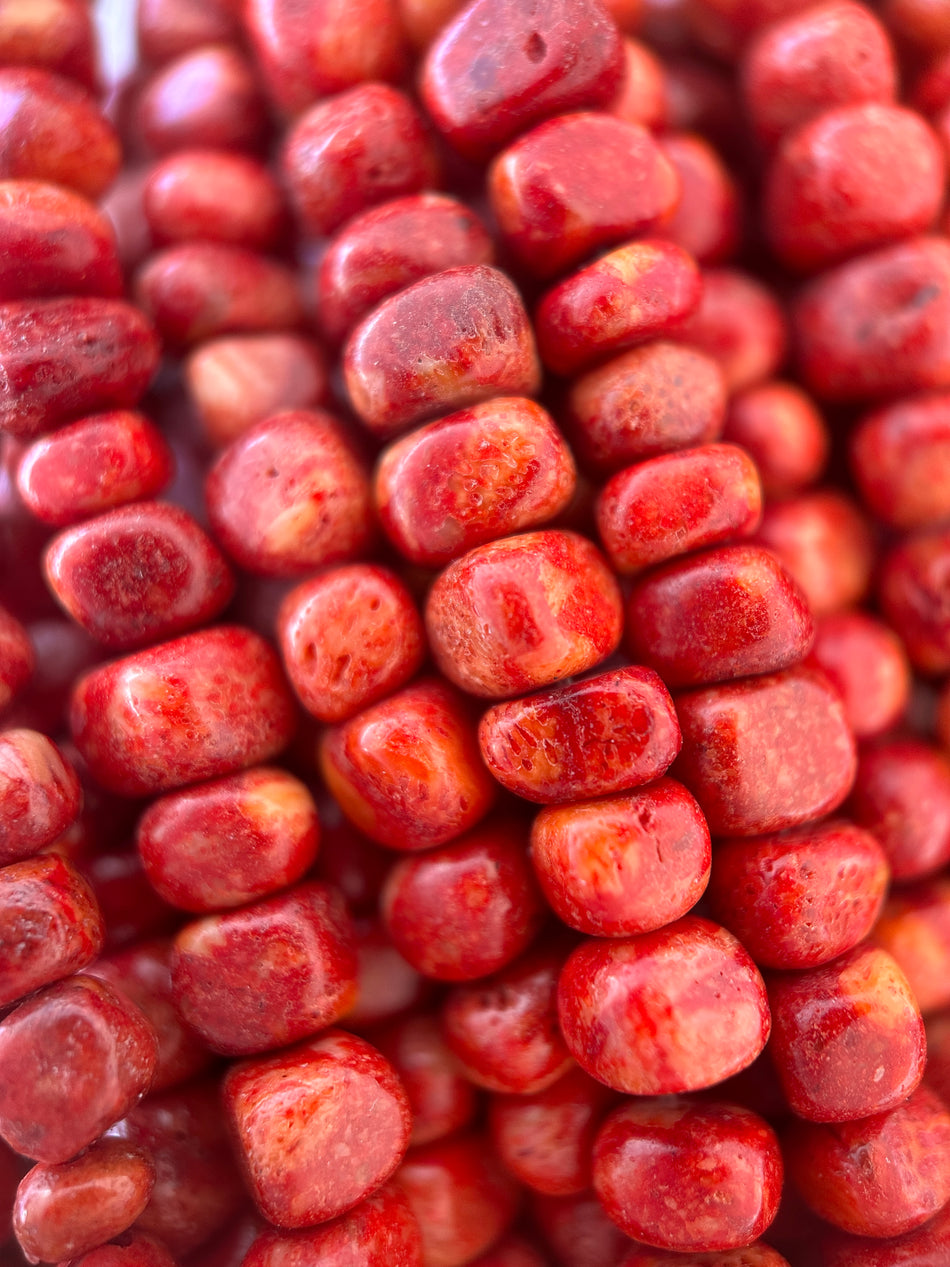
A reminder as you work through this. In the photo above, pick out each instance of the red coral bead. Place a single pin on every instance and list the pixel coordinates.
(215, 196)
(757, 1255)
(783, 432)
(40, 794)
(911, 586)
(58, 36)
(868, 665)
(130, 1249)
(741, 324)
(442, 1099)
(707, 221)
(168, 28)
(900, 458)
(902, 795)
(914, 928)
(54, 242)
(17, 658)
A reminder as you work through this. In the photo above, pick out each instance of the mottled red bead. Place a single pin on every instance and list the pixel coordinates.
(466, 910)
(220, 978)
(39, 793)
(900, 458)
(576, 184)
(914, 928)
(500, 67)
(50, 925)
(868, 665)
(676, 503)
(214, 196)
(65, 1210)
(644, 290)
(290, 495)
(461, 1196)
(62, 358)
(847, 1038)
(655, 399)
(168, 28)
(603, 734)
(740, 323)
(407, 771)
(17, 658)
(504, 1030)
(783, 432)
(878, 1177)
(746, 779)
(498, 467)
(137, 574)
(319, 1126)
(628, 864)
(688, 1177)
(129, 1249)
(390, 247)
(58, 35)
(441, 1098)
(678, 1009)
(207, 704)
(642, 95)
(450, 340)
(707, 221)
(919, 1248)
(94, 465)
(801, 898)
(902, 795)
(523, 612)
(911, 587)
(73, 1059)
(381, 1231)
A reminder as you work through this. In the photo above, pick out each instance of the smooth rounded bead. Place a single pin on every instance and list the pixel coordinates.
(781, 429)
(319, 1127)
(57, 35)
(623, 865)
(523, 612)
(466, 910)
(442, 1100)
(686, 1176)
(290, 495)
(880, 1177)
(902, 795)
(642, 95)
(576, 184)
(73, 1059)
(717, 615)
(801, 898)
(900, 458)
(677, 503)
(388, 986)
(450, 340)
(577, 1231)
(50, 925)
(745, 782)
(866, 661)
(678, 1009)
(94, 465)
(603, 734)
(481, 473)
(911, 587)
(63, 358)
(407, 771)
(214, 196)
(655, 399)
(352, 152)
(740, 323)
(644, 290)
(168, 28)
(17, 658)
(202, 706)
(847, 1038)
(500, 67)
(914, 928)
(129, 1249)
(63, 1211)
(707, 220)
(54, 242)
(230, 841)
(388, 248)
(40, 794)
(138, 574)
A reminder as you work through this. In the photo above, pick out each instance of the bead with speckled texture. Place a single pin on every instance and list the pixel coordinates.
(925, 1245)
(40, 795)
(54, 242)
(210, 195)
(757, 1255)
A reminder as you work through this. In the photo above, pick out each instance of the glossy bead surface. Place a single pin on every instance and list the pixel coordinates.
(911, 587)
(53, 241)
(623, 865)
(914, 927)
(129, 1249)
(781, 429)
(902, 795)
(603, 734)
(868, 665)
(900, 458)
(73, 1059)
(674, 1010)
(208, 98)
(523, 612)
(214, 196)
(450, 340)
(17, 658)
(441, 1098)
(741, 324)
(707, 220)
(58, 36)
(320, 1127)
(747, 782)
(39, 793)
(757, 1255)
(481, 473)
(199, 707)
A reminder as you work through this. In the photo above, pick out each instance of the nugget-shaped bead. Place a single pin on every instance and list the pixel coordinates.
(653, 400)
(678, 1009)
(640, 291)
(138, 574)
(40, 794)
(900, 457)
(741, 323)
(914, 927)
(902, 795)
(603, 734)
(94, 465)
(58, 36)
(50, 925)
(780, 427)
(745, 778)
(624, 865)
(447, 341)
(442, 1098)
(866, 661)
(479, 474)
(707, 220)
(390, 247)
(54, 242)
(215, 196)
(847, 1038)
(61, 358)
(801, 898)
(407, 771)
(500, 67)
(523, 612)
(676, 503)
(721, 614)
(912, 588)
(73, 1059)
(290, 495)
(17, 657)
(319, 1127)
(578, 183)
(202, 706)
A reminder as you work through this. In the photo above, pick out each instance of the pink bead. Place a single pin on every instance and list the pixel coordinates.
(39, 794)
(53, 242)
